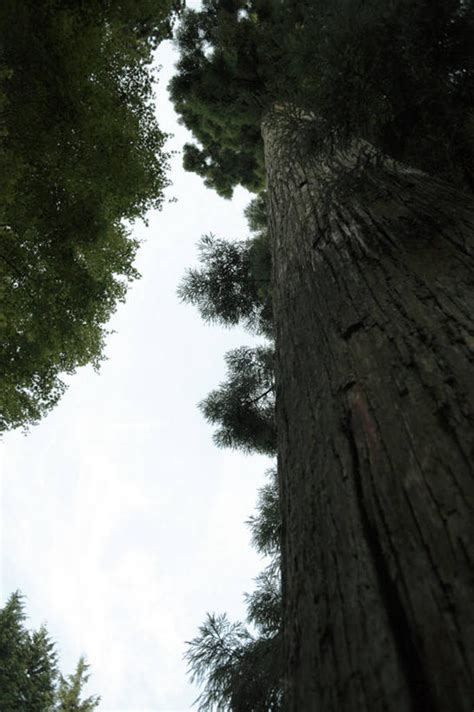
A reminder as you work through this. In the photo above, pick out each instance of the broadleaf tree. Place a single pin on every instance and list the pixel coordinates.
(357, 120)
(81, 158)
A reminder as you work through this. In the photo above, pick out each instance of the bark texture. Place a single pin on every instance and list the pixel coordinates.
(374, 312)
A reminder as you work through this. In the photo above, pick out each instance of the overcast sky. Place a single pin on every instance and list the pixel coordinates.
(121, 522)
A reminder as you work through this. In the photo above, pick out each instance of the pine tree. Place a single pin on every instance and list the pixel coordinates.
(13, 654)
(70, 691)
(41, 671)
(30, 679)
(360, 114)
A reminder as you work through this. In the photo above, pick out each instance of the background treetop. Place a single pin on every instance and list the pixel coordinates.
(29, 673)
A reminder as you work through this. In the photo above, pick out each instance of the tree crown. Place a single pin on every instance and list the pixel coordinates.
(82, 155)
(399, 74)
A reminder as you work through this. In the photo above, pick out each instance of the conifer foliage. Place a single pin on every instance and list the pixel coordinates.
(239, 666)
(233, 287)
(243, 406)
(30, 679)
(233, 283)
(242, 670)
(400, 74)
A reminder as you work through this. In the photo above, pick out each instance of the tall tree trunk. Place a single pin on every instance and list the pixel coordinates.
(374, 311)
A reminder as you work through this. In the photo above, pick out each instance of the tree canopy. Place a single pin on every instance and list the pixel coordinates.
(81, 157)
(29, 674)
(399, 74)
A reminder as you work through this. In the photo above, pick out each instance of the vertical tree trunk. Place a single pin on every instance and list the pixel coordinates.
(374, 312)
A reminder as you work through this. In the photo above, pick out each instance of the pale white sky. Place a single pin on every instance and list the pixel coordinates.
(120, 520)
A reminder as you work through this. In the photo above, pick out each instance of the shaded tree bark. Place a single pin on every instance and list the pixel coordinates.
(374, 315)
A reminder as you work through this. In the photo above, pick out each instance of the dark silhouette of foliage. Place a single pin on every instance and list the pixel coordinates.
(265, 524)
(28, 663)
(242, 671)
(243, 405)
(224, 290)
(256, 213)
(233, 286)
(264, 603)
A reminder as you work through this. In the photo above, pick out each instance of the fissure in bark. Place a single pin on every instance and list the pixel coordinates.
(374, 314)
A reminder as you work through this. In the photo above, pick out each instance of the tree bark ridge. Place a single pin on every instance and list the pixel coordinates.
(374, 304)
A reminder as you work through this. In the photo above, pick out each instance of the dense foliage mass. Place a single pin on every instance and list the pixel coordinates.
(81, 155)
(29, 675)
(400, 74)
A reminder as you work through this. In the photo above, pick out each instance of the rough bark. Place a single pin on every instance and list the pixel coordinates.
(374, 313)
